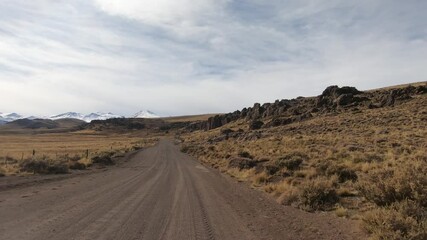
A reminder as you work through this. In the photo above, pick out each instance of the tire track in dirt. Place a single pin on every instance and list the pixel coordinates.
(158, 193)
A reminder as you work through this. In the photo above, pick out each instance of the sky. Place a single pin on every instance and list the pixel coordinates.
(180, 57)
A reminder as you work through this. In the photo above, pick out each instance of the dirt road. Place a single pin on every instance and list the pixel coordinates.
(159, 193)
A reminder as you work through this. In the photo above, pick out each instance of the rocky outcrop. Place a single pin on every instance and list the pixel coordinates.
(402, 94)
(333, 99)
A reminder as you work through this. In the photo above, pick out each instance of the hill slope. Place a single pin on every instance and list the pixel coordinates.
(333, 100)
(41, 125)
(360, 154)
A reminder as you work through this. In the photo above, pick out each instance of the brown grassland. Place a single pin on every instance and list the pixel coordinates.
(369, 164)
(190, 118)
(65, 148)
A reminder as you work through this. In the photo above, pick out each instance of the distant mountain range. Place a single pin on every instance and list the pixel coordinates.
(87, 118)
(10, 117)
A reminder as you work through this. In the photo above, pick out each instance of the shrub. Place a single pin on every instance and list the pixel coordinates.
(185, 149)
(388, 185)
(34, 166)
(260, 178)
(103, 159)
(318, 194)
(271, 169)
(136, 148)
(241, 163)
(341, 212)
(77, 166)
(344, 173)
(291, 161)
(58, 168)
(42, 167)
(403, 220)
(244, 154)
(289, 196)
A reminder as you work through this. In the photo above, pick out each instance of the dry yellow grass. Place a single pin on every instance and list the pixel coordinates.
(345, 150)
(14, 148)
(189, 118)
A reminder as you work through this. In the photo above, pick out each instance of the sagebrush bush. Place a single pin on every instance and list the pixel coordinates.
(318, 194)
(136, 148)
(343, 172)
(271, 169)
(57, 168)
(185, 149)
(401, 220)
(43, 167)
(291, 161)
(77, 166)
(244, 154)
(385, 186)
(103, 159)
(35, 166)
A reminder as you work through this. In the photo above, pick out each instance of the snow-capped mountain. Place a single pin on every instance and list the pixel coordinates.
(87, 118)
(9, 117)
(145, 114)
(67, 115)
(100, 116)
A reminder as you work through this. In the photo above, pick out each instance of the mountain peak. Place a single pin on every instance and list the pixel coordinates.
(8, 117)
(87, 118)
(145, 114)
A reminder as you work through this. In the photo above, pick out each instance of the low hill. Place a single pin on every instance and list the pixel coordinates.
(126, 124)
(333, 100)
(41, 125)
(359, 154)
(188, 118)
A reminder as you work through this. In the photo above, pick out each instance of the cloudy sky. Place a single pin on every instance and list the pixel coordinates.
(187, 57)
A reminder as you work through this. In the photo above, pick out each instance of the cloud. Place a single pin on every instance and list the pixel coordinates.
(163, 12)
(189, 57)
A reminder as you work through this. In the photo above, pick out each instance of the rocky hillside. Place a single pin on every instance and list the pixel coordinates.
(333, 100)
(360, 155)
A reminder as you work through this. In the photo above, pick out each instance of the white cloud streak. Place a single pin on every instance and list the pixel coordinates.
(188, 57)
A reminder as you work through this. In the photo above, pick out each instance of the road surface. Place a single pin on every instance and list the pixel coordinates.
(158, 193)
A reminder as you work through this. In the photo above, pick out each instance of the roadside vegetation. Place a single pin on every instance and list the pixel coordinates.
(364, 164)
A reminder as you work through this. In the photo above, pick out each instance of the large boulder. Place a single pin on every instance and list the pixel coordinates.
(334, 96)
(335, 91)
